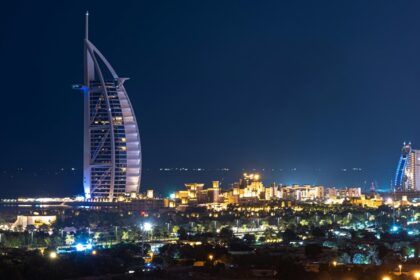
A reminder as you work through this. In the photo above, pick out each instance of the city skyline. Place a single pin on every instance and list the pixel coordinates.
(209, 96)
(239, 140)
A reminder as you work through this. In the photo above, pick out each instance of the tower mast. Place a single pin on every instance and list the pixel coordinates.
(87, 25)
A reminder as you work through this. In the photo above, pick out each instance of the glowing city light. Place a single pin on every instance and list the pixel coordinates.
(147, 226)
(394, 228)
(80, 247)
(53, 255)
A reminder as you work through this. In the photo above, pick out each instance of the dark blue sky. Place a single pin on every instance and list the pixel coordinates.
(240, 84)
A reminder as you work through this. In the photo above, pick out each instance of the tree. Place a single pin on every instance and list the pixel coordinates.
(182, 233)
(289, 235)
(269, 233)
(226, 233)
(360, 258)
(382, 252)
(249, 238)
(313, 250)
(157, 233)
(318, 232)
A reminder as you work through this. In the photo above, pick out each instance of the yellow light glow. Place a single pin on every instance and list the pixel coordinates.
(53, 255)
(211, 257)
(386, 278)
(94, 252)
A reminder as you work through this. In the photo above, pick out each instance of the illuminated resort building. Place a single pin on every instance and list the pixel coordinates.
(249, 189)
(334, 193)
(407, 177)
(196, 194)
(112, 154)
(373, 201)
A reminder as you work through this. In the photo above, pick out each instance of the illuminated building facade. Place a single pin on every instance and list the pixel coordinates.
(249, 189)
(112, 153)
(334, 193)
(250, 186)
(407, 177)
(36, 220)
(302, 193)
(372, 202)
(196, 194)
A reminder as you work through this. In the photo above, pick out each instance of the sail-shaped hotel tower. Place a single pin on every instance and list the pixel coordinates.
(112, 153)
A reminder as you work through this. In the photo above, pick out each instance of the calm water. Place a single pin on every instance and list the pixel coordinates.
(68, 182)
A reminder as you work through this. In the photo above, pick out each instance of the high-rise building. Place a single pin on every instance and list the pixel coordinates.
(407, 177)
(112, 152)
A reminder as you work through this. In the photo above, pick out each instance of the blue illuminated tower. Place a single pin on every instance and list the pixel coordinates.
(112, 152)
(407, 177)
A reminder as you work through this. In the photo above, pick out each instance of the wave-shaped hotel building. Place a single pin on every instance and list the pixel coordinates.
(112, 152)
(407, 177)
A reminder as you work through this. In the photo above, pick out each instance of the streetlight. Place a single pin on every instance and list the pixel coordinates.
(211, 257)
(334, 263)
(417, 275)
(386, 278)
(53, 255)
(400, 267)
(147, 226)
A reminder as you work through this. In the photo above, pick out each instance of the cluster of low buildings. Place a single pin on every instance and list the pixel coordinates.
(250, 188)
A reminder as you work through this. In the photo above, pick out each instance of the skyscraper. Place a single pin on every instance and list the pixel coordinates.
(407, 177)
(112, 153)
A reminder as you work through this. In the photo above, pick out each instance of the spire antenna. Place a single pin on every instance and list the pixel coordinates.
(87, 25)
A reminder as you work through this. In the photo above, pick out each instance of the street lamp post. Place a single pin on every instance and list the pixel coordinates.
(237, 225)
(32, 238)
(145, 228)
(400, 268)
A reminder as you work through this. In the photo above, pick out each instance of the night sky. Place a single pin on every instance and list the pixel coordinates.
(311, 85)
